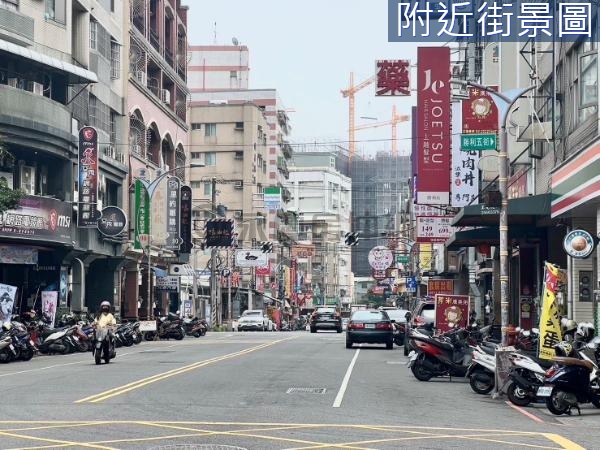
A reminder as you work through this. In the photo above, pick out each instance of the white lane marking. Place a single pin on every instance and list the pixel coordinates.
(340, 395)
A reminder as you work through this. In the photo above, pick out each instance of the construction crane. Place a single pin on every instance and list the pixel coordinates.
(396, 119)
(349, 93)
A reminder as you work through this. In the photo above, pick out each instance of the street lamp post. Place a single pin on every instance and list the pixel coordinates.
(508, 99)
(151, 187)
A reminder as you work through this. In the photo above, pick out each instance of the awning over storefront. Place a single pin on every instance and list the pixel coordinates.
(159, 272)
(521, 211)
(490, 236)
(76, 75)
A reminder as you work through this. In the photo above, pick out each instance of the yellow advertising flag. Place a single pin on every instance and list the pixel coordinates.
(550, 332)
(425, 257)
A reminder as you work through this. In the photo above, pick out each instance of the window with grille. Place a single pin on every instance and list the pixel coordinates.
(208, 188)
(13, 5)
(113, 127)
(196, 155)
(210, 159)
(210, 129)
(93, 34)
(196, 184)
(115, 60)
(99, 114)
(56, 10)
(196, 126)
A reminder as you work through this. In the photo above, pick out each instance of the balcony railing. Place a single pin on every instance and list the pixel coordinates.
(169, 57)
(15, 26)
(154, 40)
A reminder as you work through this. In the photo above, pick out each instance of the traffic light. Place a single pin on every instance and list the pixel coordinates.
(351, 239)
(266, 247)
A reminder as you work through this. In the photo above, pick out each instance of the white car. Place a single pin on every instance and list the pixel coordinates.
(253, 320)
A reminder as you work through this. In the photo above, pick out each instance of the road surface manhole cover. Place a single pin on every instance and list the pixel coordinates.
(306, 390)
(197, 447)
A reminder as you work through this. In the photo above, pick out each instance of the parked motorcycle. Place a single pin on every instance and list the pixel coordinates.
(572, 380)
(194, 326)
(448, 354)
(526, 375)
(482, 372)
(169, 327)
(59, 341)
(104, 346)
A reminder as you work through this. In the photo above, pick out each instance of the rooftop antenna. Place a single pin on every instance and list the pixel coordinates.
(235, 41)
(215, 34)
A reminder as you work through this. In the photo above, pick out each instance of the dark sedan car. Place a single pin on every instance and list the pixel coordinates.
(370, 327)
(325, 318)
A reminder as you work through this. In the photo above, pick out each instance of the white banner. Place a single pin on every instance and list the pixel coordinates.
(7, 302)
(251, 258)
(147, 325)
(49, 303)
(465, 166)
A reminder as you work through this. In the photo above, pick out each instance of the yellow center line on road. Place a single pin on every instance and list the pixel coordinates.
(563, 442)
(164, 375)
(55, 441)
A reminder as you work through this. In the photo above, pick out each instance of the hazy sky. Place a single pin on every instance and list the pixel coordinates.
(306, 50)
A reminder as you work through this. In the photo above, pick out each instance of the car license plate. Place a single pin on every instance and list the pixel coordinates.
(370, 325)
(544, 391)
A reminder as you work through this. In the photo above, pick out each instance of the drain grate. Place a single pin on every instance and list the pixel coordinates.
(306, 390)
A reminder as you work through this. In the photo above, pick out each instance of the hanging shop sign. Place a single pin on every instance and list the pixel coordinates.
(378, 274)
(465, 167)
(303, 251)
(579, 244)
(158, 215)
(251, 258)
(38, 218)
(480, 118)
(272, 198)
(550, 330)
(185, 231)
(173, 212)
(425, 256)
(393, 78)
(219, 233)
(87, 203)
(433, 126)
(451, 312)
(142, 215)
(435, 287)
(112, 222)
(434, 229)
(49, 305)
(18, 255)
(380, 258)
(169, 283)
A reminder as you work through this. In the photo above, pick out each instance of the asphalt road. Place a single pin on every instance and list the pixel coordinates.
(263, 391)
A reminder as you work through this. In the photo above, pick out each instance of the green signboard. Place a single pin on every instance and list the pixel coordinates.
(142, 216)
(402, 259)
(477, 142)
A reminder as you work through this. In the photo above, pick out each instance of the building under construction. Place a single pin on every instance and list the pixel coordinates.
(380, 192)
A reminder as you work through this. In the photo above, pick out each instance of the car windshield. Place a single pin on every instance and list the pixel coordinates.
(252, 313)
(428, 312)
(326, 310)
(369, 315)
(399, 315)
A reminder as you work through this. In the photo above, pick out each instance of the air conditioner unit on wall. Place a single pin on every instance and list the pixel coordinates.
(238, 214)
(165, 96)
(140, 75)
(239, 185)
(37, 88)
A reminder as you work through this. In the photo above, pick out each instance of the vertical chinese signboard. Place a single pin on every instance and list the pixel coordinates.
(451, 312)
(550, 331)
(173, 213)
(219, 233)
(272, 198)
(142, 216)
(433, 106)
(185, 231)
(393, 78)
(87, 216)
(465, 165)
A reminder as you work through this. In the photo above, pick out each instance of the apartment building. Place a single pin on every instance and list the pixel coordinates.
(322, 196)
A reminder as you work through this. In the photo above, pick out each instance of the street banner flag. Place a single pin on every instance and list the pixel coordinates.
(550, 332)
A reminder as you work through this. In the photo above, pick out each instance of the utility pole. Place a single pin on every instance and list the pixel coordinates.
(229, 305)
(213, 260)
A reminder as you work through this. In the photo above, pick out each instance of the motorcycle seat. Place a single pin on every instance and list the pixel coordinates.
(565, 361)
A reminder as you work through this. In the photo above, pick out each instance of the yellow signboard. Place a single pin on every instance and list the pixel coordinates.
(425, 256)
(550, 332)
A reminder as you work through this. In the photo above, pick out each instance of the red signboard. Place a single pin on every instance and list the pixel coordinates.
(433, 133)
(378, 274)
(393, 78)
(517, 185)
(88, 214)
(479, 113)
(264, 271)
(435, 287)
(451, 312)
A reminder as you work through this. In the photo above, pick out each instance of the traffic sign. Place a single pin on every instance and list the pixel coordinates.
(477, 142)
(402, 259)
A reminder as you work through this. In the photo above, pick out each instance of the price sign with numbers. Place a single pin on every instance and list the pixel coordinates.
(433, 229)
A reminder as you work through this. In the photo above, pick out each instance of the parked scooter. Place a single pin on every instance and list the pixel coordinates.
(59, 341)
(572, 380)
(169, 327)
(526, 375)
(482, 372)
(194, 326)
(448, 354)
